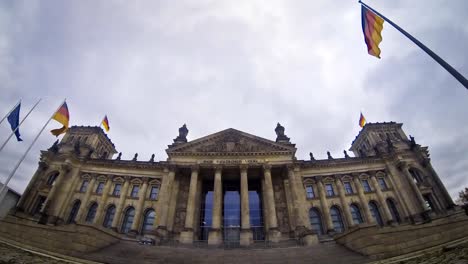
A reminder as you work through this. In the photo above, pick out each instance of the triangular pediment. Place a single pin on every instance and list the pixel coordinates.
(230, 142)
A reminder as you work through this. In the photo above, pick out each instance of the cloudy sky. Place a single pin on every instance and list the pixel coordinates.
(152, 66)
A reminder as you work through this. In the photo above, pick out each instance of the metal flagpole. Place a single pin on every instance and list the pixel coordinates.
(442, 63)
(24, 118)
(2, 191)
(10, 111)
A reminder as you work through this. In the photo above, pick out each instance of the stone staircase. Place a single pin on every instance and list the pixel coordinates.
(131, 252)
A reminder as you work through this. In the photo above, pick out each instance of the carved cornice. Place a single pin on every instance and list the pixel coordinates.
(266, 167)
(340, 162)
(244, 168)
(127, 164)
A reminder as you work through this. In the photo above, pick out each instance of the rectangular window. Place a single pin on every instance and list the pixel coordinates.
(117, 188)
(348, 188)
(310, 192)
(100, 188)
(383, 184)
(135, 190)
(84, 186)
(154, 192)
(366, 186)
(329, 189)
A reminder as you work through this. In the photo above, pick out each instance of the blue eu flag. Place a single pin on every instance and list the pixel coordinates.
(13, 119)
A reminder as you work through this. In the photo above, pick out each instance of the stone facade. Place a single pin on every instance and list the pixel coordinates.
(234, 186)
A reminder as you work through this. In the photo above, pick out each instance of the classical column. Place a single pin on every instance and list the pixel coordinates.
(344, 203)
(118, 211)
(47, 208)
(273, 233)
(380, 197)
(186, 236)
(69, 192)
(325, 207)
(84, 202)
(363, 200)
(391, 171)
(163, 201)
(139, 208)
(246, 236)
(215, 235)
(420, 199)
(103, 202)
(27, 195)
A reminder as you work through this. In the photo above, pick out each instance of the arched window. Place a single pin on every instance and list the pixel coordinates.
(393, 210)
(128, 220)
(356, 214)
(416, 175)
(74, 212)
(109, 217)
(148, 221)
(316, 221)
(375, 213)
(52, 178)
(91, 213)
(337, 219)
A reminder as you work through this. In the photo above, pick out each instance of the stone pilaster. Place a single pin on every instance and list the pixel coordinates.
(69, 192)
(84, 203)
(391, 172)
(215, 235)
(25, 199)
(246, 236)
(419, 198)
(273, 233)
(380, 197)
(139, 208)
(325, 207)
(363, 200)
(163, 202)
(103, 201)
(186, 236)
(344, 203)
(118, 211)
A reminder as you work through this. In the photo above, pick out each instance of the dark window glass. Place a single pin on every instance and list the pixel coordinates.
(74, 212)
(154, 192)
(316, 221)
(148, 221)
(356, 214)
(109, 217)
(416, 176)
(375, 213)
(382, 183)
(91, 213)
(84, 186)
(100, 188)
(39, 203)
(128, 220)
(135, 190)
(348, 188)
(337, 219)
(117, 188)
(256, 212)
(310, 191)
(393, 210)
(52, 179)
(366, 186)
(329, 189)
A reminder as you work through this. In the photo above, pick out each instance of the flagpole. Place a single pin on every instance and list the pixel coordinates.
(24, 118)
(2, 194)
(10, 111)
(442, 63)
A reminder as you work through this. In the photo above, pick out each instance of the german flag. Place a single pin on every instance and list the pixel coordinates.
(62, 116)
(362, 120)
(105, 123)
(372, 26)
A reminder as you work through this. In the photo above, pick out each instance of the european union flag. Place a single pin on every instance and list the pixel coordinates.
(13, 119)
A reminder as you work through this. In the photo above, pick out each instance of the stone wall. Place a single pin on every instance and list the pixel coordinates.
(281, 206)
(392, 241)
(67, 239)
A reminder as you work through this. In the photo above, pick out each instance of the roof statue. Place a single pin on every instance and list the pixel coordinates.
(182, 137)
(280, 136)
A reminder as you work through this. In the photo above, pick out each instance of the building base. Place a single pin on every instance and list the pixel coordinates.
(186, 237)
(246, 237)
(274, 235)
(215, 237)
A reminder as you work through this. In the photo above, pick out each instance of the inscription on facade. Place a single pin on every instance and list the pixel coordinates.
(232, 161)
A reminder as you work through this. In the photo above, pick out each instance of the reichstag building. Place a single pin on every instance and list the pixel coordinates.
(234, 187)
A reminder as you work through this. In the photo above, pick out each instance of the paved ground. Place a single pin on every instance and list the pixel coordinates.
(130, 252)
(13, 255)
(454, 255)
